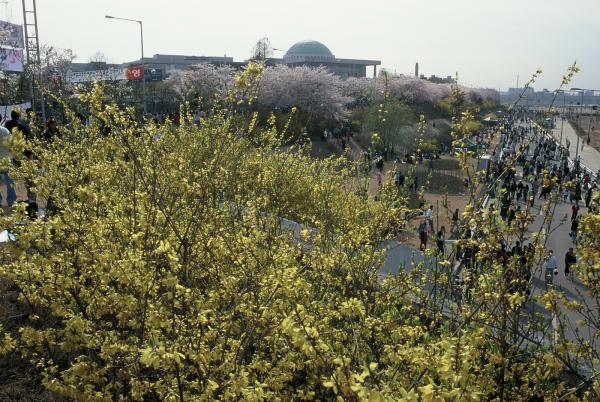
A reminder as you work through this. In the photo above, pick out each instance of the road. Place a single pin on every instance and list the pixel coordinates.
(559, 241)
(400, 256)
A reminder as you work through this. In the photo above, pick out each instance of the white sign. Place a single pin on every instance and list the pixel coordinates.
(111, 74)
(11, 59)
(11, 35)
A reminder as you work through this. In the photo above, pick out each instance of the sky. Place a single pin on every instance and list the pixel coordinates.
(488, 43)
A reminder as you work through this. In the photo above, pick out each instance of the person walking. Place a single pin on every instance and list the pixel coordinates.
(535, 187)
(441, 240)
(577, 194)
(423, 236)
(454, 221)
(574, 211)
(570, 260)
(588, 197)
(511, 215)
(550, 268)
(429, 218)
(574, 228)
(11, 195)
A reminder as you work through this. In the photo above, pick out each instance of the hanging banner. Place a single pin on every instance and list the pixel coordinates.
(134, 73)
(11, 59)
(11, 35)
(112, 74)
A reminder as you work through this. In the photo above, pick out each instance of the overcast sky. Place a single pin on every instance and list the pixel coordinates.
(487, 42)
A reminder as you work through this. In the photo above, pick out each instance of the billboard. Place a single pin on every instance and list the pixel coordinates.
(11, 59)
(11, 47)
(11, 35)
(134, 73)
(112, 74)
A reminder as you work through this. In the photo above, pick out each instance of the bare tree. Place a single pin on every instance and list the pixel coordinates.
(262, 50)
(56, 63)
(99, 59)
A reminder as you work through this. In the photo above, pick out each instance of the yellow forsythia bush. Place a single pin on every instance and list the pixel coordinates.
(168, 269)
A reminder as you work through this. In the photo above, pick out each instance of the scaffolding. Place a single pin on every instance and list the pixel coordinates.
(34, 63)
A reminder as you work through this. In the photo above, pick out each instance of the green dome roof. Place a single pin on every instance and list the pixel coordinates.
(309, 47)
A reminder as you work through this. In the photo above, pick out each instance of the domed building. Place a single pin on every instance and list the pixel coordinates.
(313, 53)
(305, 53)
(308, 51)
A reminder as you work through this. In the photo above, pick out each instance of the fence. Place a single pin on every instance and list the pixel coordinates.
(440, 180)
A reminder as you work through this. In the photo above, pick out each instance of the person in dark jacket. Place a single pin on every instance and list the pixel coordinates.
(570, 260)
(441, 240)
(14, 122)
(574, 228)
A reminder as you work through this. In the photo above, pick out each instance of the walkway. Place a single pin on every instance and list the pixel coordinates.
(589, 156)
(403, 257)
(559, 241)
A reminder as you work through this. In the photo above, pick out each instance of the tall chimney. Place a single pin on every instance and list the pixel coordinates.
(417, 70)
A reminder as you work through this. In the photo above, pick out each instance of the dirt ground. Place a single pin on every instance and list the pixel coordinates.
(442, 216)
(443, 207)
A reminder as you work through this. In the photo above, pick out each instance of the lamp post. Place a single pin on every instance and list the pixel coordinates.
(578, 121)
(562, 117)
(143, 61)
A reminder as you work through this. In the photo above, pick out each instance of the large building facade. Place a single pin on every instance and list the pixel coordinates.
(305, 53)
(314, 54)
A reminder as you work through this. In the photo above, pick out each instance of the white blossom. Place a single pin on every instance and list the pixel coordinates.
(316, 90)
(202, 81)
(313, 90)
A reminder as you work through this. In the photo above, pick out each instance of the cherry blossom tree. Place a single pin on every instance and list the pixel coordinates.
(366, 91)
(205, 81)
(315, 91)
(363, 91)
(312, 90)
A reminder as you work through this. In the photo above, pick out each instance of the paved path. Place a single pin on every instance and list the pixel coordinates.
(559, 242)
(589, 156)
(402, 257)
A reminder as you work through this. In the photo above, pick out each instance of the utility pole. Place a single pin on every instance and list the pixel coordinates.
(32, 44)
(562, 120)
(579, 124)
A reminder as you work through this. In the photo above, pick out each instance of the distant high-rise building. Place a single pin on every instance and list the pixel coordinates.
(417, 70)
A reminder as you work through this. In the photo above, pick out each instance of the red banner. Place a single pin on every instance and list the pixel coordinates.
(134, 73)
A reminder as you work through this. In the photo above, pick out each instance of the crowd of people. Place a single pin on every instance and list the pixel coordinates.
(529, 169)
(9, 125)
(7, 129)
(533, 166)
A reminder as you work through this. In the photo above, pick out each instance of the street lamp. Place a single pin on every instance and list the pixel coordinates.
(143, 61)
(562, 117)
(578, 120)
